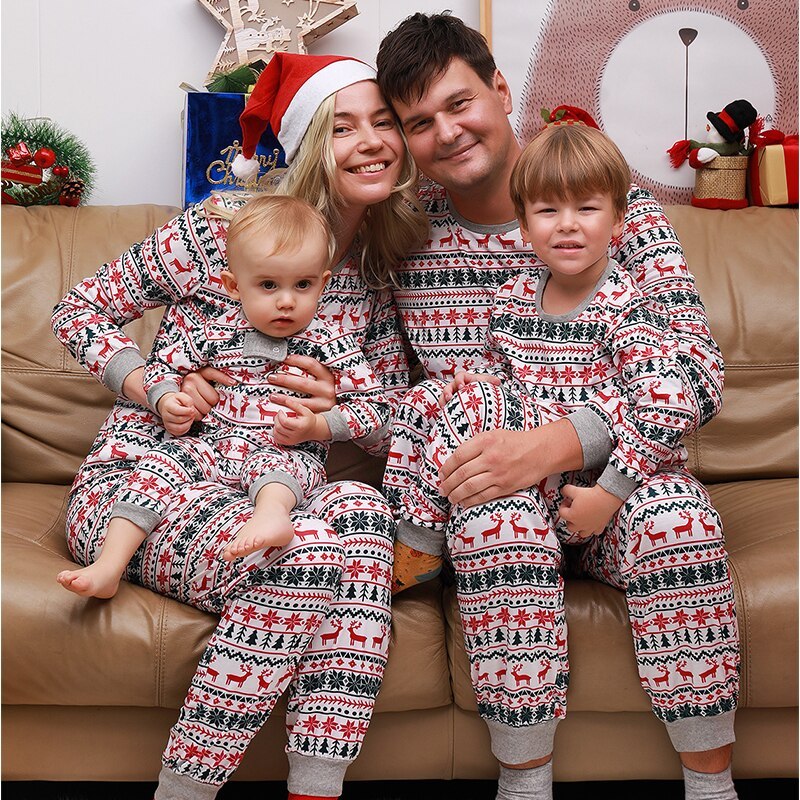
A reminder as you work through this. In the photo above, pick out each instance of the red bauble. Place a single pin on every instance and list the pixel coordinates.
(61, 171)
(44, 157)
(69, 201)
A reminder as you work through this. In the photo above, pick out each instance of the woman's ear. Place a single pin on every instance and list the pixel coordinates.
(230, 283)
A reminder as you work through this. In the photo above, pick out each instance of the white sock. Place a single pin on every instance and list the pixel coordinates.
(526, 784)
(709, 785)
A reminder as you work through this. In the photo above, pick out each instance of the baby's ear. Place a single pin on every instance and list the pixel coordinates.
(230, 283)
(324, 278)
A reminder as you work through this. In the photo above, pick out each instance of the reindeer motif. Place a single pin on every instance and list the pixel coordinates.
(395, 457)
(660, 536)
(263, 682)
(500, 674)
(542, 673)
(358, 383)
(655, 396)
(520, 677)
(663, 678)
(483, 241)
(332, 638)
(446, 240)
(711, 672)
(377, 641)
(483, 676)
(356, 637)
(505, 242)
(462, 242)
(527, 290)
(178, 267)
(710, 529)
(685, 528)
(697, 353)
(727, 666)
(211, 673)
(304, 533)
(495, 530)
(684, 673)
(540, 533)
(230, 678)
(519, 530)
(117, 452)
(468, 540)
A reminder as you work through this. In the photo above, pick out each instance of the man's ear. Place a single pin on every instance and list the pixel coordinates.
(230, 283)
(504, 90)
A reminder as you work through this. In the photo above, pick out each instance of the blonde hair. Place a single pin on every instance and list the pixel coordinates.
(287, 221)
(567, 162)
(390, 229)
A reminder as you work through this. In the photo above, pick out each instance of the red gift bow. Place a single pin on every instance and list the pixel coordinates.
(19, 154)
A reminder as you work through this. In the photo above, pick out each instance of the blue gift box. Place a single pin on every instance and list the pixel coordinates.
(213, 139)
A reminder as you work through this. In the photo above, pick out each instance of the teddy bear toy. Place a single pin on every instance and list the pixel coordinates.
(721, 160)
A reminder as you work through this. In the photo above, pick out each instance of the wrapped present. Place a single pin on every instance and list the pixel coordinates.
(212, 139)
(773, 173)
(27, 174)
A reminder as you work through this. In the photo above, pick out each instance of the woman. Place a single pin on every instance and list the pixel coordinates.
(287, 617)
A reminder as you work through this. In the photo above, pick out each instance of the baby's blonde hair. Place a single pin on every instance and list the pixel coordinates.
(565, 162)
(288, 221)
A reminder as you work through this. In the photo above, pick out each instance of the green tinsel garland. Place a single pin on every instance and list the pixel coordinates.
(70, 152)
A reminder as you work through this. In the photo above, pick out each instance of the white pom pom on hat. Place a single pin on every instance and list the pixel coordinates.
(286, 96)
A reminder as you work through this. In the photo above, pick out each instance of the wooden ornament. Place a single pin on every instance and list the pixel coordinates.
(255, 29)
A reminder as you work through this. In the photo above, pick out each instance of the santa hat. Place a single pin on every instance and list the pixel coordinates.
(286, 96)
(568, 115)
(733, 119)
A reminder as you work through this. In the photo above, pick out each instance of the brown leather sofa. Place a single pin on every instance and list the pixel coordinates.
(90, 688)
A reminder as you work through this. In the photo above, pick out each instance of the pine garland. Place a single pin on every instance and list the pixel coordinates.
(70, 152)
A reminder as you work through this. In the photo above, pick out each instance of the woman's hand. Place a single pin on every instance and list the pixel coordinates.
(199, 387)
(318, 384)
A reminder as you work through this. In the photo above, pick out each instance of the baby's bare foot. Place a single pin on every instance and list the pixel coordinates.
(259, 534)
(91, 581)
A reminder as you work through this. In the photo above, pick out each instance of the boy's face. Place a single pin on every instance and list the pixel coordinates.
(572, 236)
(459, 132)
(279, 292)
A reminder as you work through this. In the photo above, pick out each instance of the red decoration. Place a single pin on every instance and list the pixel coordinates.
(44, 157)
(19, 154)
(60, 170)
(773, 170)
(28, 174)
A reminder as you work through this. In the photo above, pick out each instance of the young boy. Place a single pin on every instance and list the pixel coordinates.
(574, 331)
(279, 250)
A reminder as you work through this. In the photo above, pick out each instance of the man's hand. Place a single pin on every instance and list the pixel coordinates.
(495, 464)
(588, 510)
(460, 380)
(301, 425)
(318, 384)
(177, 411)
(198, 385)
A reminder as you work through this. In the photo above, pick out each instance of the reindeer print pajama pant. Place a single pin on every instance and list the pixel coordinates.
(664, 549)
(312, 617)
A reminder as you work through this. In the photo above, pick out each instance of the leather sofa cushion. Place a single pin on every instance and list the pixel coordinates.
(760, 522)
(745, 263)
(141, 649)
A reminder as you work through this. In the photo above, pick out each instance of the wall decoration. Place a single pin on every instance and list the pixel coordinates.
(255, 29)
(648, 70)
(43, 164)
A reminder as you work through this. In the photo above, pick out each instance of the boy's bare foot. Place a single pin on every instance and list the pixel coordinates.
(92, 581)
(259, 533)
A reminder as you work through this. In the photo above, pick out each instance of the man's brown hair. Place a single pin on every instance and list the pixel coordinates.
(565, 162)
(420, 49)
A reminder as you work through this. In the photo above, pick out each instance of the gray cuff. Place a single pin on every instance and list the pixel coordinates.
(520, 745)
(613, 481)
(340, 430)
(697, 734)
(276, 477)
(316, 776)
(173, 786)
(155, 393)
(426, 540)
(144, 518)
(593, 435)
(119, 366)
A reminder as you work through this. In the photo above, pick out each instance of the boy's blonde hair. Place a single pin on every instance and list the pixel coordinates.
(288, 221)
(565, 162)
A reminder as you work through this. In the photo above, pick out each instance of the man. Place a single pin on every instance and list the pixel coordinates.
(453, 105)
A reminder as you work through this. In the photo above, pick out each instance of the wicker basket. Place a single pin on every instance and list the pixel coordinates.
(724, 178)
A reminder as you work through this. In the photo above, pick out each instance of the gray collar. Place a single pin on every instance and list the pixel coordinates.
(262, 346)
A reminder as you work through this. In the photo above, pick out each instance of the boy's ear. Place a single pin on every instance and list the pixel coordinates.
(618, 226)
(230, 283)
(524, 232)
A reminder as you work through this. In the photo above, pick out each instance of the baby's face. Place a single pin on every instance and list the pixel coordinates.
(279, 292)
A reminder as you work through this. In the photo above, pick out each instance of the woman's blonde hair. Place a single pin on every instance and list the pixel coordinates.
(565, 162)
(390, 229)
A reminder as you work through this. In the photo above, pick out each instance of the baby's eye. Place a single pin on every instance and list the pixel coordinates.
(303, 284)
(268, 284)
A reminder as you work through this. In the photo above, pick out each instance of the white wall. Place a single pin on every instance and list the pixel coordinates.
(109, 72)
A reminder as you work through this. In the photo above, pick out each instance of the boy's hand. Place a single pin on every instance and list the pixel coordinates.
(587, 511)
(460, 380)
(177, 411)
(297, 426)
